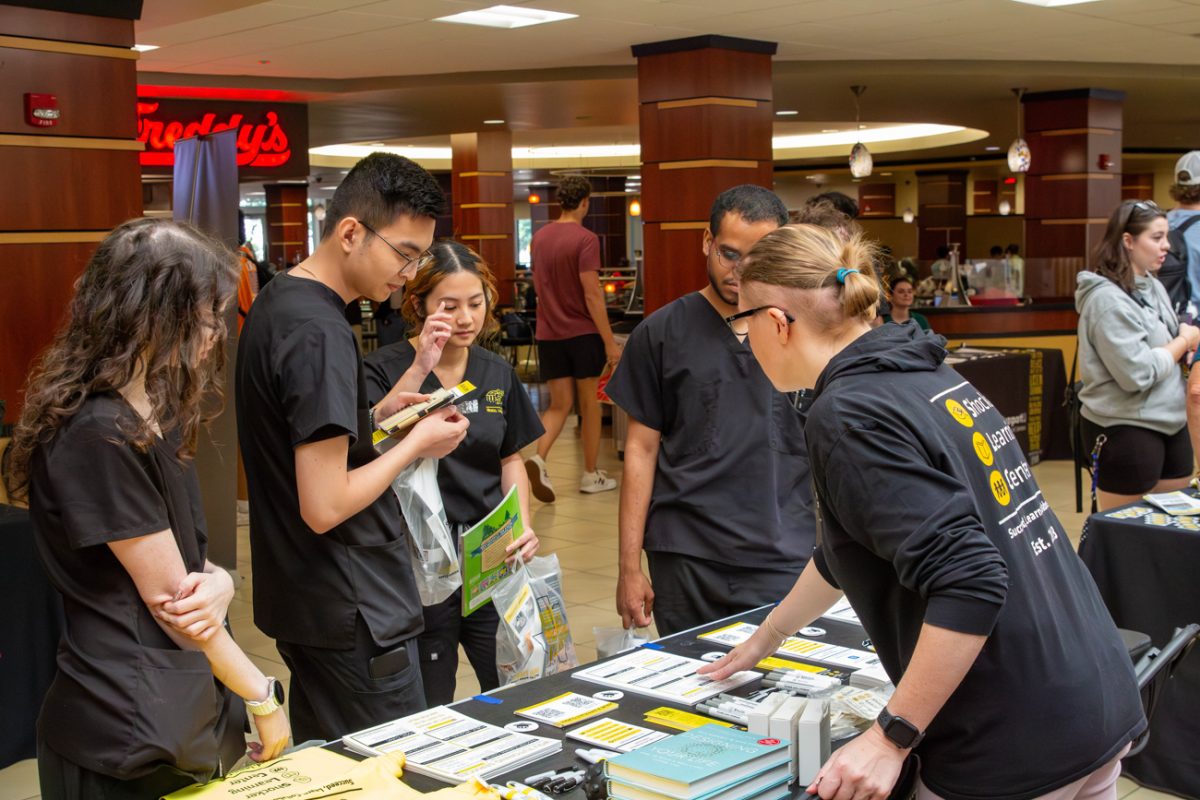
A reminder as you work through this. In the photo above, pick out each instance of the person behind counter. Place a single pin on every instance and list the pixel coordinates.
(1130, 348)
(103, 452)
(450, 302)
(1011, 679)
(902, 297)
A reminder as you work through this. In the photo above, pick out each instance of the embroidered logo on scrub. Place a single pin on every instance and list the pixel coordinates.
(959, 413)
(982, 449)
(495, 401)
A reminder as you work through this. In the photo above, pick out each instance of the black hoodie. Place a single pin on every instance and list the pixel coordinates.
(929, 513)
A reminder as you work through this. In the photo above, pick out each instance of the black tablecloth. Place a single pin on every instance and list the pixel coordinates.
(30, 625)
(1147, 576)
(1027, 387)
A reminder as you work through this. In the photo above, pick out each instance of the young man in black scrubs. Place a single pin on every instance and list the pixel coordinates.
(716, 487)
(332, 580)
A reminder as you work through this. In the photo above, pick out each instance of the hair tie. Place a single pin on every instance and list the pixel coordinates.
(842, 273)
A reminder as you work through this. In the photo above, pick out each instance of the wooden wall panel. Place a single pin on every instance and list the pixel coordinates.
(711, 72)
(84, 85)
(985, 196)
(287, 223)
(877, 199)
(705, 131)
(941, 211)
(64, 189)
(82, 28)
(678, 195)
(674, 261)
(1075, 151)
(36, 285)
(1137, 185)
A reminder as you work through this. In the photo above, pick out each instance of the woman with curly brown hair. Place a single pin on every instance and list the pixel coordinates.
(450, 303)
(103, 454)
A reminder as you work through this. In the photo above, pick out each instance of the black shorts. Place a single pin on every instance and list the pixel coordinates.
(1134, 459)
(579, 357)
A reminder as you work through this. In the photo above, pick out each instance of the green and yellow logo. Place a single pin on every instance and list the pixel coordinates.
(959, 413)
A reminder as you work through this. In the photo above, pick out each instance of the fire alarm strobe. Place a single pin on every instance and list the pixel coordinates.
(41, 110)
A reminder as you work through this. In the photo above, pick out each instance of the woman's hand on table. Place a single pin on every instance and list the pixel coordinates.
(274, 730)
(526, 546)
(199, 605)
(760, 645)
(865, 768)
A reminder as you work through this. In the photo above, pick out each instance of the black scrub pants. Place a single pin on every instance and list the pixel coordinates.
(332, 692)
(62, 779)
(445, 629)
(691, 591)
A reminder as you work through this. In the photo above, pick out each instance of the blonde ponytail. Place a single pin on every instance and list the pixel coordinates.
(810, 258)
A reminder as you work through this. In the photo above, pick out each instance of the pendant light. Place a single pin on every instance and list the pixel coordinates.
(908, 216)
(861, 162)
(1019, 156)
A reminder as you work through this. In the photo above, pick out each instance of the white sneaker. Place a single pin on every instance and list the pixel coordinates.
(539, 479)
(595, 482)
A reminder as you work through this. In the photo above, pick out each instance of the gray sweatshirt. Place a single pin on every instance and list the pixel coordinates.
(1128, 378)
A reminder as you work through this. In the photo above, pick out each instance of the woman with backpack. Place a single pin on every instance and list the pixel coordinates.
(1131, 348)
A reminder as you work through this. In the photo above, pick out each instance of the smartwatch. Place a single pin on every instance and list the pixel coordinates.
(272, 703)
(898, 730)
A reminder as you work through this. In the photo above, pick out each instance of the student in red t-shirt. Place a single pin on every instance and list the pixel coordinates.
(574, 339)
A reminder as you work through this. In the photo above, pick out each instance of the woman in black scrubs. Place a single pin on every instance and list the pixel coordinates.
(450, 302)
(146, 699)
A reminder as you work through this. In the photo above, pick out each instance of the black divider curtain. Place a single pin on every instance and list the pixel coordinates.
(206, 195)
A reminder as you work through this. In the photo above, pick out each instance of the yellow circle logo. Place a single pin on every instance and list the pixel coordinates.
(959, 413)
(982, 449)
(999, 488)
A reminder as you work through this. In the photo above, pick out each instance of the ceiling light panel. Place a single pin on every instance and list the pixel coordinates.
(506, 17)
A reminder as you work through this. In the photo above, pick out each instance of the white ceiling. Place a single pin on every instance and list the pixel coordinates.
(362, 38)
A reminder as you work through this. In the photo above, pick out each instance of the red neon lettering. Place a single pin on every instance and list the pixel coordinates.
(259, 145)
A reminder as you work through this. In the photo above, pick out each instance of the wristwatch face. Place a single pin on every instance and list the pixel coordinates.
(277, 690)
(902, 732)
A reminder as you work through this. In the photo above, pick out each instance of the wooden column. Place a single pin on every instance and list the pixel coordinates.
(941, 211)
(482, 194)
(705, 126)
(66, 186)
(1074, 183)
(287, 222)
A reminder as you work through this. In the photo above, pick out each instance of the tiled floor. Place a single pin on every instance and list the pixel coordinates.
(582, 531)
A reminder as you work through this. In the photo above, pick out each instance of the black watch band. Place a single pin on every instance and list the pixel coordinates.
(899, 731)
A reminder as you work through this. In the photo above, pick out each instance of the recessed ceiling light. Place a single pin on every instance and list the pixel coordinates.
(493, 122)
(1054, 3)
(506, 17)
(788, 113)
(145, 48)
(829, 130)
(992, 148)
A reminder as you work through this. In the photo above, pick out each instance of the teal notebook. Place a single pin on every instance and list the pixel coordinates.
(749, 788)
(697, 762)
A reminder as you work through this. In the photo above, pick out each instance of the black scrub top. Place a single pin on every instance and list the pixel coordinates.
(300, 380)
(732, 480)
(126, 699)
(502, 419)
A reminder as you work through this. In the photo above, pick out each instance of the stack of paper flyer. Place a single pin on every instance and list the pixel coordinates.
(797, 647)
(661, 675)
(1179, 504)
(451, 747)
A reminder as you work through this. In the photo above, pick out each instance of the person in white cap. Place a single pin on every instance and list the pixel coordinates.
(1186, 193)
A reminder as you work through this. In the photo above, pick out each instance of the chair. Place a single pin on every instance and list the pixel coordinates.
(1155, 668)
(515, 333)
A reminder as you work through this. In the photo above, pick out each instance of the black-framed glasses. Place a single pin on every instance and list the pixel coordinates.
(739, 323)
(410, 263)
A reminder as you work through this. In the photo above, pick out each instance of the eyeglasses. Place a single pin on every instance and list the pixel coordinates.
(410, 263)
(1146, 205)
(728, 258)
(739, 323)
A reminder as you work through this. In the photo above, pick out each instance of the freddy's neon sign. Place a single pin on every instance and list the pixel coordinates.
(261, 144)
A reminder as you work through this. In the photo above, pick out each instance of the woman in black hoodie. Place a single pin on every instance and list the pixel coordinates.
(1011, 679)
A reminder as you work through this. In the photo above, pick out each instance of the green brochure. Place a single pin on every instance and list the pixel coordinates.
(483, 553)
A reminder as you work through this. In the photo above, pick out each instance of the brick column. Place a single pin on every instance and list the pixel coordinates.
(1073, 185)
(481, 195)
(705, 125)
(287, 222)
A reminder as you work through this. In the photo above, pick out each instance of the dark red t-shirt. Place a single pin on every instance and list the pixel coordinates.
(561, 251)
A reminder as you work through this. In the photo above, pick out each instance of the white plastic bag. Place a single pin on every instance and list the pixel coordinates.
(533, 639)
(432, 549)
(610, 641)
